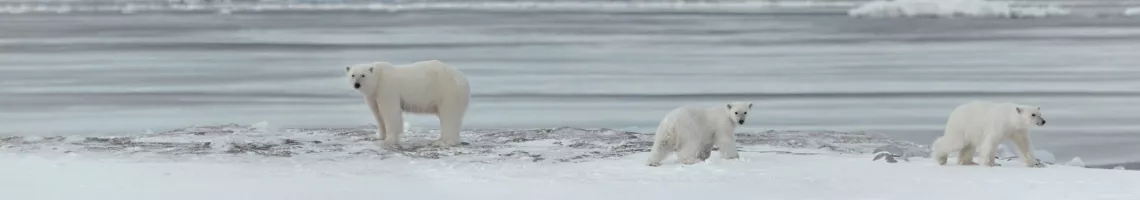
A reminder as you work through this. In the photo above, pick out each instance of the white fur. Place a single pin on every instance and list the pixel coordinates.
(426, 87)
(980, 126)
(693, 131)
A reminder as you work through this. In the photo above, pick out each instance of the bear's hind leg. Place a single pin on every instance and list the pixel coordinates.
(966, 156)
(988, 148)
(942, 147)
(450, 122)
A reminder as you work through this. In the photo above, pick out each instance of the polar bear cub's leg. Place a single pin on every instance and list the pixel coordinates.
(726, 140)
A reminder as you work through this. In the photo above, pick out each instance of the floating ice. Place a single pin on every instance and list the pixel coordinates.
(952, 8)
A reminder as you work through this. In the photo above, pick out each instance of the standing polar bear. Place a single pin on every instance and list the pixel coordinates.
(692, 131)
(426, 87)
(981, 126)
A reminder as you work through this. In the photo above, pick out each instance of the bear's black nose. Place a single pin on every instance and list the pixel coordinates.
(357, 85)
(1042, 122)
(741, 122)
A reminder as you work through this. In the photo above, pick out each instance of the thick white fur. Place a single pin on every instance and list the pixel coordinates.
(980, 126)
(426, 87)
(692, 132)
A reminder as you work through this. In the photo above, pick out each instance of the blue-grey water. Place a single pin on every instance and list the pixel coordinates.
(120, 72)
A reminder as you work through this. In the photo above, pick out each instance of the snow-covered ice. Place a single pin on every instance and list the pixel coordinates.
(244, 162)
(953, 8)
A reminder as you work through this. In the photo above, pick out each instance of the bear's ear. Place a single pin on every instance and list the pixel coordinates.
(1018, 110)
(729, 106)
(347, 68)
(749, 105)
(370, 69)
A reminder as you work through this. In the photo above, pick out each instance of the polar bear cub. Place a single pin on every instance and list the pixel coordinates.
(426, 87)
(980, 126)
(692, 131)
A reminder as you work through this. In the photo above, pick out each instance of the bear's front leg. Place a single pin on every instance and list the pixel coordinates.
(1021, 140)
(393, 118)
(688, 152)
(726, 140)
(706, 152)
(375, 107)
(988, 148)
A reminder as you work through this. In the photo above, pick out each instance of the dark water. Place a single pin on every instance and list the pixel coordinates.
(110, 73)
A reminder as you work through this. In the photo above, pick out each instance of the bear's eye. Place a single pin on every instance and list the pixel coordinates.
(736, 113)
(745, 113)
(1033, 115)
(361, 76)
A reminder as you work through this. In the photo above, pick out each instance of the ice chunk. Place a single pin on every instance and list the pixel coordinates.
(1044, 156)
(952, 8)
(260, 126)
(1133, 11)
(1076, 162)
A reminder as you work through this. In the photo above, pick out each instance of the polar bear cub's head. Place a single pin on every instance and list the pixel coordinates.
(738, 111)
(1031, 115)
(362, 77)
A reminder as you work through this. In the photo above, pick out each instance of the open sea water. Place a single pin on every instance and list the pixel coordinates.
(123, 67)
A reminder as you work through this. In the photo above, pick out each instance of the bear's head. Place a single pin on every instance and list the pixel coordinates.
(738, 111)
(363, 77)
(1031, 115)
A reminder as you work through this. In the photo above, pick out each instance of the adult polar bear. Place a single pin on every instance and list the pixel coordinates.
(981, 126)
(426, 87)
(692, 131)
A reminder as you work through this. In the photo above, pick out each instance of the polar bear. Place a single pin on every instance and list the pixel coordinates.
(426, 87)
(980, 126)
(692, 131)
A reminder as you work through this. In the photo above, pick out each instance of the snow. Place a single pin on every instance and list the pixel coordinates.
(952, 8)
(549, 163)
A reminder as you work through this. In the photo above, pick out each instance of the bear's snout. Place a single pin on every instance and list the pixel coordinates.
(1042, 123)
(357, 85)
(741, 122)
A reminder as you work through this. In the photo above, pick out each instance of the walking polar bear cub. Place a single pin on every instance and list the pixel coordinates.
(691, 132)
(426, 87)
(981, 126)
